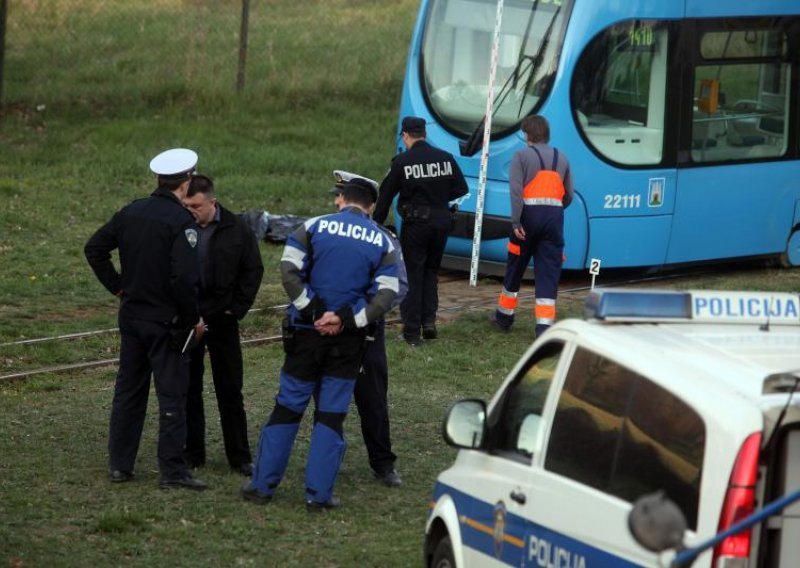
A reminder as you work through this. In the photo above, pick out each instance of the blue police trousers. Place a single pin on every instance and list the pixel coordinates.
(327, 365)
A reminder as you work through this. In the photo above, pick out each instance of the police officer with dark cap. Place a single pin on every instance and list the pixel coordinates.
(427, 179)
(372, 386)
(156, 238)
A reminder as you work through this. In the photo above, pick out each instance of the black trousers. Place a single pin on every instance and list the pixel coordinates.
(423, 245)
(371, 400)
(145, 350)
(225, 353)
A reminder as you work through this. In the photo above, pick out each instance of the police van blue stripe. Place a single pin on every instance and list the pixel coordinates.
(540, 546)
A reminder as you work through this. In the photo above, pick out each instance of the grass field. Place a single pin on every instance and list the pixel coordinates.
(79, 129)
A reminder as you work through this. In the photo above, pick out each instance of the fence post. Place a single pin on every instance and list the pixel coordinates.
(3, 11)
(242, 45)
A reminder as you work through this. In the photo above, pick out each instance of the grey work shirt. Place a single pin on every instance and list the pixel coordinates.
(524, 167)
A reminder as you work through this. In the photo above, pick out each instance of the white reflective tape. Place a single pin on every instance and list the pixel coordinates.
(388, 282)
(543, 201)
(302, 300)
(361, 318)
(545, 302)
(545, 321)
(506, 311)
(508, 294)
(293, 255)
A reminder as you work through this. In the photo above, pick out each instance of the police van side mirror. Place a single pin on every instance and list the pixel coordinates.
(657, 523)
(465, 424)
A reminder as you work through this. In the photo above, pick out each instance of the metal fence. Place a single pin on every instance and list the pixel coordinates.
(54, 50)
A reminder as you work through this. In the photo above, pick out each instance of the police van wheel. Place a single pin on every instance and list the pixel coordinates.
(443, 555)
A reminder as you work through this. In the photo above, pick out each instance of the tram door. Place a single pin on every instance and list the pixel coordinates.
(620, 95)
(734, 194)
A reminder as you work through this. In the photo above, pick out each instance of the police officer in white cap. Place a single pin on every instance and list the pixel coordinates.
(156, 238)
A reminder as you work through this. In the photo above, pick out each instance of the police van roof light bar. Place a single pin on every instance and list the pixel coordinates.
(701, 306)
(631, 305)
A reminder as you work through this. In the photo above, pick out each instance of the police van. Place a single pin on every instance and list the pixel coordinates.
(689, 393)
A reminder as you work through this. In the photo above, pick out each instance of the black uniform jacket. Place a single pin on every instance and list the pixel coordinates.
(233, 268)
(157, 238)
(423, 175)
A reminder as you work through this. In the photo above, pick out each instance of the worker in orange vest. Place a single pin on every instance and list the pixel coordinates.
(540, 188)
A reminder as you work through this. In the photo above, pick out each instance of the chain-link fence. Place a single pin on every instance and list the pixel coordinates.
(111, 52)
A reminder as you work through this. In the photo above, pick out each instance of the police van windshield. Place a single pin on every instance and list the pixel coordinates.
(457, 50)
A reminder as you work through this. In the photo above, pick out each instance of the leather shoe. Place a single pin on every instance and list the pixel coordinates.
(250, 493)
(246, 469)
(118, 476)
(187, 482)
(320, 506)
(412, 340)
(497, 325)
(429, 332)
(389, 478)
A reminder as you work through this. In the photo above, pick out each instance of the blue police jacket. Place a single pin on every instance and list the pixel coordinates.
(343, 263)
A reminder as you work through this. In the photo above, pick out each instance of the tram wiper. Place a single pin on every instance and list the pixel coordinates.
(537, 60)
(474, 141)
(525, 38)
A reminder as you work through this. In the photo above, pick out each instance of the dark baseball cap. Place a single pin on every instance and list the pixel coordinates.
(413, 124)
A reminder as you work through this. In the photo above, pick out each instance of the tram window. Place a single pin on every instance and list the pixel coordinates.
(619, 92)
(750, 119)
(516, 428)
(609, 421)
(456, 53)
(743, 44)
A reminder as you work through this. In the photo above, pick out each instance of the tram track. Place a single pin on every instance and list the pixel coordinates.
(447, 278)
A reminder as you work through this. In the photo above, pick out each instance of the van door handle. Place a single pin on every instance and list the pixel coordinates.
(518, 496)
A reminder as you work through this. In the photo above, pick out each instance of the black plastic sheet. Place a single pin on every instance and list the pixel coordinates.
(271, 228)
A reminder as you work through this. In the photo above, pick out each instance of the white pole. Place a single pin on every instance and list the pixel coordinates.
(487, 129)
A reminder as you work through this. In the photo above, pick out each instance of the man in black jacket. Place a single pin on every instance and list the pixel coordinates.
(427, 179)
(231, 271)
(158, 314)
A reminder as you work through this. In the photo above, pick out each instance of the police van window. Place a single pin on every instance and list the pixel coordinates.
(515, 427)
(618, 432)
(619, 89)
(741, 96)
(661, 447)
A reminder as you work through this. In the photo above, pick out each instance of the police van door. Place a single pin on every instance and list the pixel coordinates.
(500, 479)
(613, 436)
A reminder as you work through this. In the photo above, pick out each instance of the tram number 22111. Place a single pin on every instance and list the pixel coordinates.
(619, 201)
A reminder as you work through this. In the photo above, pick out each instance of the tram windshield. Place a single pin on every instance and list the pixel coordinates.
(457, 51)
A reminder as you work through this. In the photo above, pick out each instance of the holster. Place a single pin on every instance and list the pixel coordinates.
(288, 335)
(413, 213)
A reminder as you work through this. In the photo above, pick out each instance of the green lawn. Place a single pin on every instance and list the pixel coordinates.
(83, 118)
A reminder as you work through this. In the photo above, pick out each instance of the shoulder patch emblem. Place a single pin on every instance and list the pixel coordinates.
(191, 236)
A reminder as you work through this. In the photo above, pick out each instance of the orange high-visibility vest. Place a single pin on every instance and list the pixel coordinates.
(547, 187)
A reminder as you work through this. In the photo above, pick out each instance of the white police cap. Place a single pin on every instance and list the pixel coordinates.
(175, 163)
(342, 177)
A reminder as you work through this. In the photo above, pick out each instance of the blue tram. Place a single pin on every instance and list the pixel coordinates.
(681, 119)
